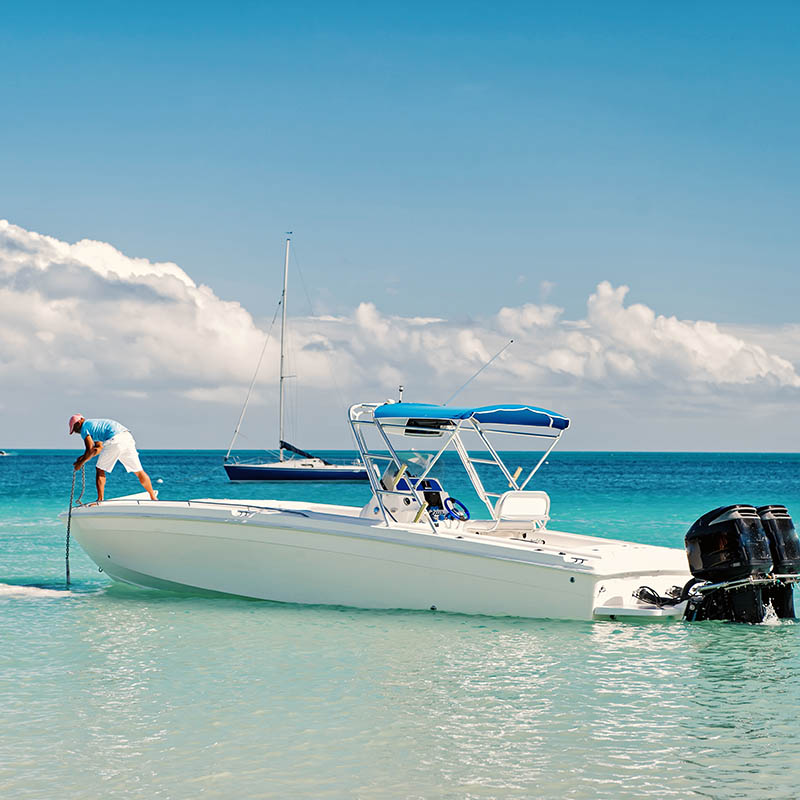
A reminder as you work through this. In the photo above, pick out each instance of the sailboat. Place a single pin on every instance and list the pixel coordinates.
(293, 464)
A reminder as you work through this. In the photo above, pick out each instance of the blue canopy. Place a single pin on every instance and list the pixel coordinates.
(509, 414)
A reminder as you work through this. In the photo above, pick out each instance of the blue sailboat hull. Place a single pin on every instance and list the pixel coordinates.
(271, 472)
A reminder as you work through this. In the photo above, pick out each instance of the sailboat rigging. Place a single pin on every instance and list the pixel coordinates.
(307, 467)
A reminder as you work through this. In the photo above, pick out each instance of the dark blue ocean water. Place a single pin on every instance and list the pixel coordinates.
(110, 691)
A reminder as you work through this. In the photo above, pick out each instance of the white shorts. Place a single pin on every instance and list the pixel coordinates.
(119, 448)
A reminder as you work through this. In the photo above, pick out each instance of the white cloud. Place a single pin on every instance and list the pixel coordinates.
(86, 321)
(225, 395)
(519, 321)
(665, 349)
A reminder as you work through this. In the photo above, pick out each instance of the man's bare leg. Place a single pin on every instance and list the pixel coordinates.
(144, 479)
(100, 480)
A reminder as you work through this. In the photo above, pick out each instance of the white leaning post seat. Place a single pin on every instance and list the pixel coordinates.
(533, 507)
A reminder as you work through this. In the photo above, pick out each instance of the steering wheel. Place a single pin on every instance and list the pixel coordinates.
(456, 509)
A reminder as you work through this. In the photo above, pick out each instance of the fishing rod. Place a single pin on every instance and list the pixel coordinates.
(464, 385)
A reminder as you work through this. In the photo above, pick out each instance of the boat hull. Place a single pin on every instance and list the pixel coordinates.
(269, 472)
(298, 557)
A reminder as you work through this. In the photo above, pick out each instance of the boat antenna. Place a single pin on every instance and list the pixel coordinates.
(464, 385)
(401, 389)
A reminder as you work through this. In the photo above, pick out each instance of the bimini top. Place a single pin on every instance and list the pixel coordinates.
(509, 414)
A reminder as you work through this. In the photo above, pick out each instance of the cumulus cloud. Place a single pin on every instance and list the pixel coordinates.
(520, 321)
(612, 343)
(76, 317)
(88, 312)
(635, 343)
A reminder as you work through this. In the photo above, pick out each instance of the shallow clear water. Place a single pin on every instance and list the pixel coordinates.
(110, 691)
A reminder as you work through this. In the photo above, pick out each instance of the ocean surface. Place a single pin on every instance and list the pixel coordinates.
(108, 691)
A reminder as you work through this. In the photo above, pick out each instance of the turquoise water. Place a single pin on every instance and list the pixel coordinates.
(109, 691)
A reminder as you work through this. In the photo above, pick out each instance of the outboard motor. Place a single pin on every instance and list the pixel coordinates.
(784, 545)
(728, 546)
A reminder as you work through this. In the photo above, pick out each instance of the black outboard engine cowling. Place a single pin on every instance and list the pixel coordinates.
(784, 542)
(785, 547)
(727, 545)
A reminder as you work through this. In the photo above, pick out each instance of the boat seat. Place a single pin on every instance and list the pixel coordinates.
(516, 506)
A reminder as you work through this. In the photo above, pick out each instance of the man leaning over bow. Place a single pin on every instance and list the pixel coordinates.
(113, 442)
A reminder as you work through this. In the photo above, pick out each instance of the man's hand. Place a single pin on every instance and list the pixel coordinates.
(92, 449)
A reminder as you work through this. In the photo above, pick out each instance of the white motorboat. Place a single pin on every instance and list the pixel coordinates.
(413, 546)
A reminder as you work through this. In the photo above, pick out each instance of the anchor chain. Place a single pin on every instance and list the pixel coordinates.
(69, 513)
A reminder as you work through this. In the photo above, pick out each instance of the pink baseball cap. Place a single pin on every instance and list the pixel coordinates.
(73, 421)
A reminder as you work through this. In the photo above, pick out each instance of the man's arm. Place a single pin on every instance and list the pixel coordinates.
(92, 449)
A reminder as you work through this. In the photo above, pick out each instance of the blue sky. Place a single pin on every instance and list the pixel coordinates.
(441, 160)
(650, 144)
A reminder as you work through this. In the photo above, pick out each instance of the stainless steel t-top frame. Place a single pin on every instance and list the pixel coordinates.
(362, 414)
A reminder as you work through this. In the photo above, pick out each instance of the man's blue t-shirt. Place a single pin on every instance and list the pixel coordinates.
(101, 430)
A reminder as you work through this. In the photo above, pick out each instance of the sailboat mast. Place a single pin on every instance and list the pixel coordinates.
(283, 346)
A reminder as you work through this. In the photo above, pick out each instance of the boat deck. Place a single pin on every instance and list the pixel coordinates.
(597, 554)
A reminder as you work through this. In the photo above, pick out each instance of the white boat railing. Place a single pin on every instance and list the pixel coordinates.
(369, 458)
(362, 414)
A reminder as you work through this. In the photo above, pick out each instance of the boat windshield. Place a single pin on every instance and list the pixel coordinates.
(416, 462)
